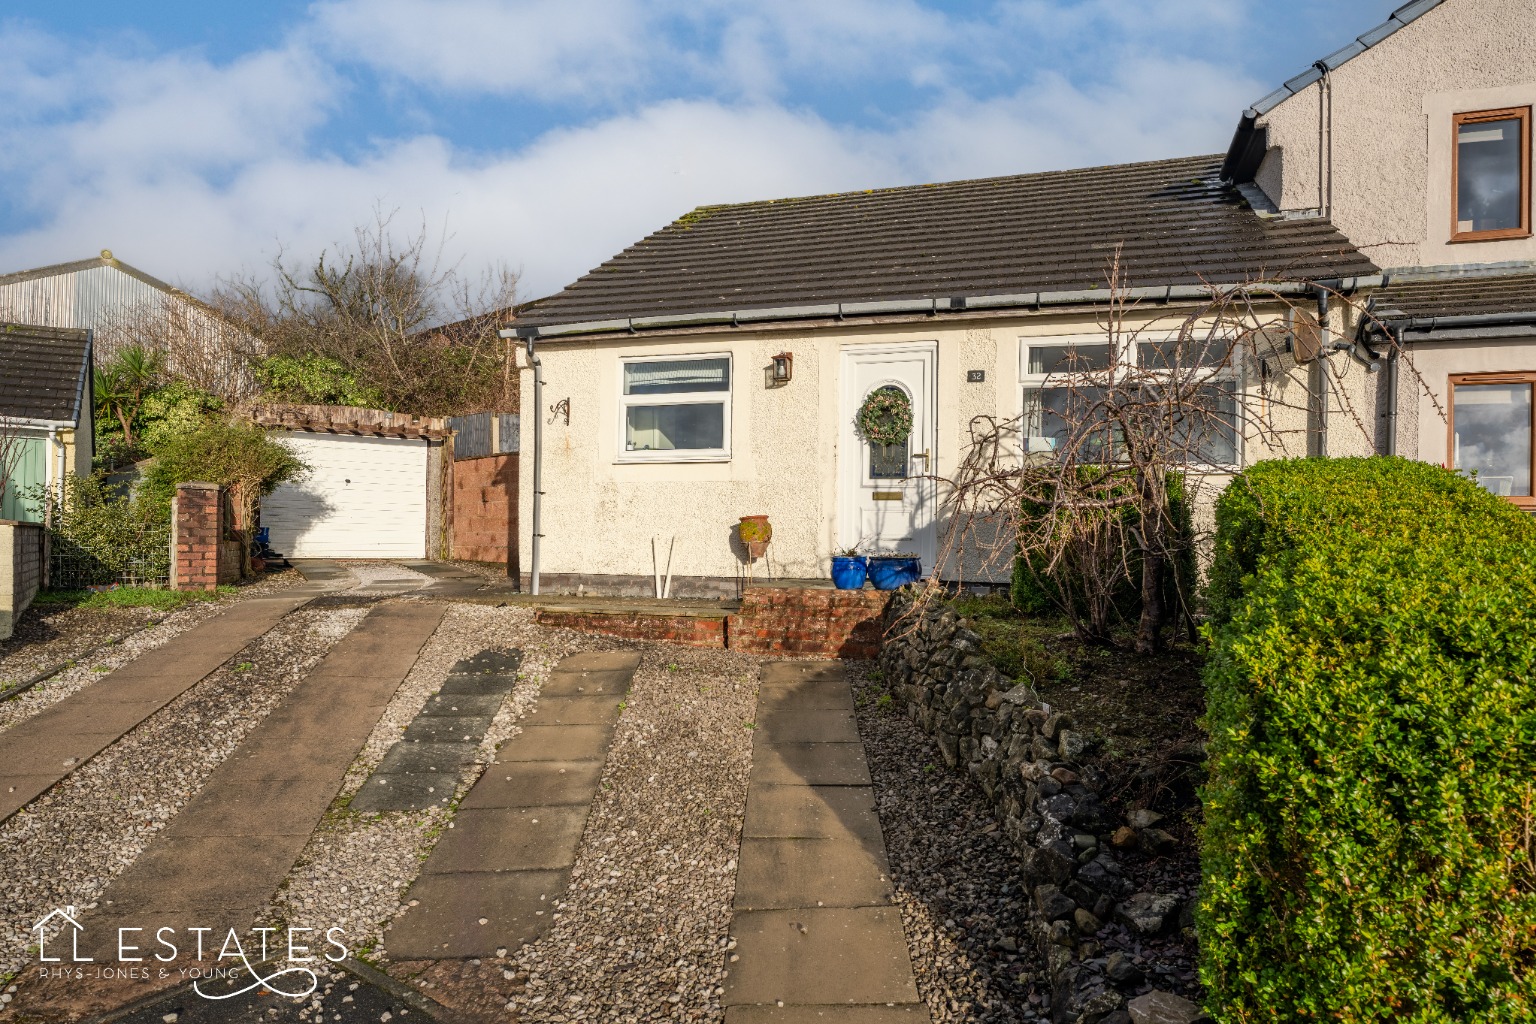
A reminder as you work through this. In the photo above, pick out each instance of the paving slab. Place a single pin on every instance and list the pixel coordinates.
(58, 740)
(882, 1013)
(600, 661)
(462, 704)
(536, 784)
(820, 955)
(776, 874)
(794, 726)
(316, 729)
(572, 711)
(481, 686)
(406, 757)
(559, 743)
(812, 812)
(613, 683)
(810, 764)
(447, 729)
(445, 923)
(817, 936)
(413, 791)
(237, 807)
(806, 695)
(509, 839)
(187, 872)
(782, 673)
(508, 857)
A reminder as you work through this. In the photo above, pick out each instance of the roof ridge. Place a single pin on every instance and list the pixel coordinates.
(997, 179)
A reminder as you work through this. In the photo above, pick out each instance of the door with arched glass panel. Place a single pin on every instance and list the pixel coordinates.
(887, 501)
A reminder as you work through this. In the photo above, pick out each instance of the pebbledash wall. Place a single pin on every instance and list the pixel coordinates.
(23, 564)
(1024, 756)
(600, 514)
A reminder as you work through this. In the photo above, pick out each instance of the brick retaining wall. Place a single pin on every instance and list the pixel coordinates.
(797, 621)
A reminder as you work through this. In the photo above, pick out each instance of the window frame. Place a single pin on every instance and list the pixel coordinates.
(1525, 501)
(1039, 381)
(1523, 115)
(675, 455)
(1125, 355)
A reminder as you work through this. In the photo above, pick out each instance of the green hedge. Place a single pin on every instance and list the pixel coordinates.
(1368, 846)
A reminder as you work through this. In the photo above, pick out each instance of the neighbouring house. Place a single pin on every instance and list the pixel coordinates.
(375, 487)
(713, 369)
(1415, 141)
(45, 411)
(123, 305)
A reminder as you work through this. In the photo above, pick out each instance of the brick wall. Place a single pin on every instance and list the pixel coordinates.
(688, 630)
(23, 560)
(812, 621)
(794, 621)
(196, 530)
(485, 509)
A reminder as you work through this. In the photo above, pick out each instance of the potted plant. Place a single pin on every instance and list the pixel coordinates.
(894, 570)
(755, 533)
(849, 570)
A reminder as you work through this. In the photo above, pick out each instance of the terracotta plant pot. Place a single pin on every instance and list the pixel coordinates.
(755, 533)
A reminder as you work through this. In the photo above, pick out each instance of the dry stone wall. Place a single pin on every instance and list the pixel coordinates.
(1025, 757)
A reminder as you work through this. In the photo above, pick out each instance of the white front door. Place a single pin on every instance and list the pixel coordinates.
(886, 502)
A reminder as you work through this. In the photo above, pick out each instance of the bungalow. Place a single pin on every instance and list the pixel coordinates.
(715, 369)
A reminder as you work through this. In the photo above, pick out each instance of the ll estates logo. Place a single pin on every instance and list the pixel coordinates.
(278, 965)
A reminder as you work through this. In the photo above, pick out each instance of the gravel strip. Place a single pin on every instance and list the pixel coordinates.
(71, 680)
(357, 866)
(65, 848)
(642, 933)
(958, 883)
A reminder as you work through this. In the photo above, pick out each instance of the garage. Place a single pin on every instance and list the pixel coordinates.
(364, 496)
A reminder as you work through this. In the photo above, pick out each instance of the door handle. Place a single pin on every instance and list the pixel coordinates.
(921, 455)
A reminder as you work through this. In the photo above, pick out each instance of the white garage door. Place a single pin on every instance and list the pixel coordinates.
(364, 497)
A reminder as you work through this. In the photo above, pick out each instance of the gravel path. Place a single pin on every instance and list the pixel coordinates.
(21, 661)
(66, 847)
(642, 933)
(957, 881)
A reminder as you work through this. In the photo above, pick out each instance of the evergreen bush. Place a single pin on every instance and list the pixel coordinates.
(1370, 828)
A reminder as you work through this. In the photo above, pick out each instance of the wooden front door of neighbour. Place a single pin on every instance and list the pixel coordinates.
(887, 501)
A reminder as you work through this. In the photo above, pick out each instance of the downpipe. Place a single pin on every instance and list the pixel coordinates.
(538, 467)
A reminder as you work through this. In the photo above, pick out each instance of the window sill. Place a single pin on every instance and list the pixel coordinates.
(1507, 235)
(669, 459)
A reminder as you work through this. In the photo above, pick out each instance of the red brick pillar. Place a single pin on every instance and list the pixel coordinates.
(195, 537)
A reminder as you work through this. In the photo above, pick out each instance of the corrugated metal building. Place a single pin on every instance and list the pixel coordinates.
(122, 305)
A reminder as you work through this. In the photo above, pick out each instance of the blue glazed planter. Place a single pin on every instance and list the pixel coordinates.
(892, 573)
(849, 572)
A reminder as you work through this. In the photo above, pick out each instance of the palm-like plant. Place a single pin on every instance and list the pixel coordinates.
(121, 385)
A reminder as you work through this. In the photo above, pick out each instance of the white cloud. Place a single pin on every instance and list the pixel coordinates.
(193, 169)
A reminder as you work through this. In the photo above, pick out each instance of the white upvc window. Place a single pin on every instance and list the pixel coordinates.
(675, 408)
(1067, 379)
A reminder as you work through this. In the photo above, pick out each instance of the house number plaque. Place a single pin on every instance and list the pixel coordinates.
(975, 376)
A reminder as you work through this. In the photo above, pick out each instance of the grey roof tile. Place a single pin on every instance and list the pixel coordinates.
(1174, 222)
(1420, 298)
(44, 368)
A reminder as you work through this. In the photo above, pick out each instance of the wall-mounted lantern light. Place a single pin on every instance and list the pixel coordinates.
(783, 368)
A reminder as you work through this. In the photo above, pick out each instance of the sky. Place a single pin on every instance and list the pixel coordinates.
(200, 141)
